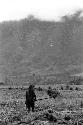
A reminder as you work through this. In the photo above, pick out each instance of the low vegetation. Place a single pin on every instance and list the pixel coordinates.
(60, 106)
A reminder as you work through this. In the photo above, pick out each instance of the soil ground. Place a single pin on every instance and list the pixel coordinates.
(13, 110)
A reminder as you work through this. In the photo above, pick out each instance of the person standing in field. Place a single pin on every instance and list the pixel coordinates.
(30, 98)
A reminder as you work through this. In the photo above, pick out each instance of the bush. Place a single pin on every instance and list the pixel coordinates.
(49, 91)
(67, 87)
(76, 88)
(61, 87)
(55, 94)
(52, 93)
(39, 89)
(81, 105)
(71, 88)
(9, 88)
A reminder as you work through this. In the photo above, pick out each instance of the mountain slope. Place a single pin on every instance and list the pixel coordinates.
(33, 45)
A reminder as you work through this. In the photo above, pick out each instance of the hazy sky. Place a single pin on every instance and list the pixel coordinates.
(46, 9)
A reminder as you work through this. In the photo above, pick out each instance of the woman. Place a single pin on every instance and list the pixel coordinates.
(30, 98)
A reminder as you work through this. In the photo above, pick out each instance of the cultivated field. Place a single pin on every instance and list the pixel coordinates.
(66, 108)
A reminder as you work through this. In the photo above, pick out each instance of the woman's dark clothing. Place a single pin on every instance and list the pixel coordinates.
(30, 99)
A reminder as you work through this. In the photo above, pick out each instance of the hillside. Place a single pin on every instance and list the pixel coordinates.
(33, 45)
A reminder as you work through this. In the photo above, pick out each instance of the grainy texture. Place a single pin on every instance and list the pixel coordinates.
(61, 110)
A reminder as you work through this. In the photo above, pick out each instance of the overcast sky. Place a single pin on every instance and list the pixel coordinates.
(45, 9)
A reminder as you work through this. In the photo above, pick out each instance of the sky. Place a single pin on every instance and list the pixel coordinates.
(43, 9)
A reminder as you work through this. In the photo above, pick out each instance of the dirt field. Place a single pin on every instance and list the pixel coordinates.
(68, 104)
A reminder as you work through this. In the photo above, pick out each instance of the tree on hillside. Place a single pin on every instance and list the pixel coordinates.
(69, 24)
(70, 30)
